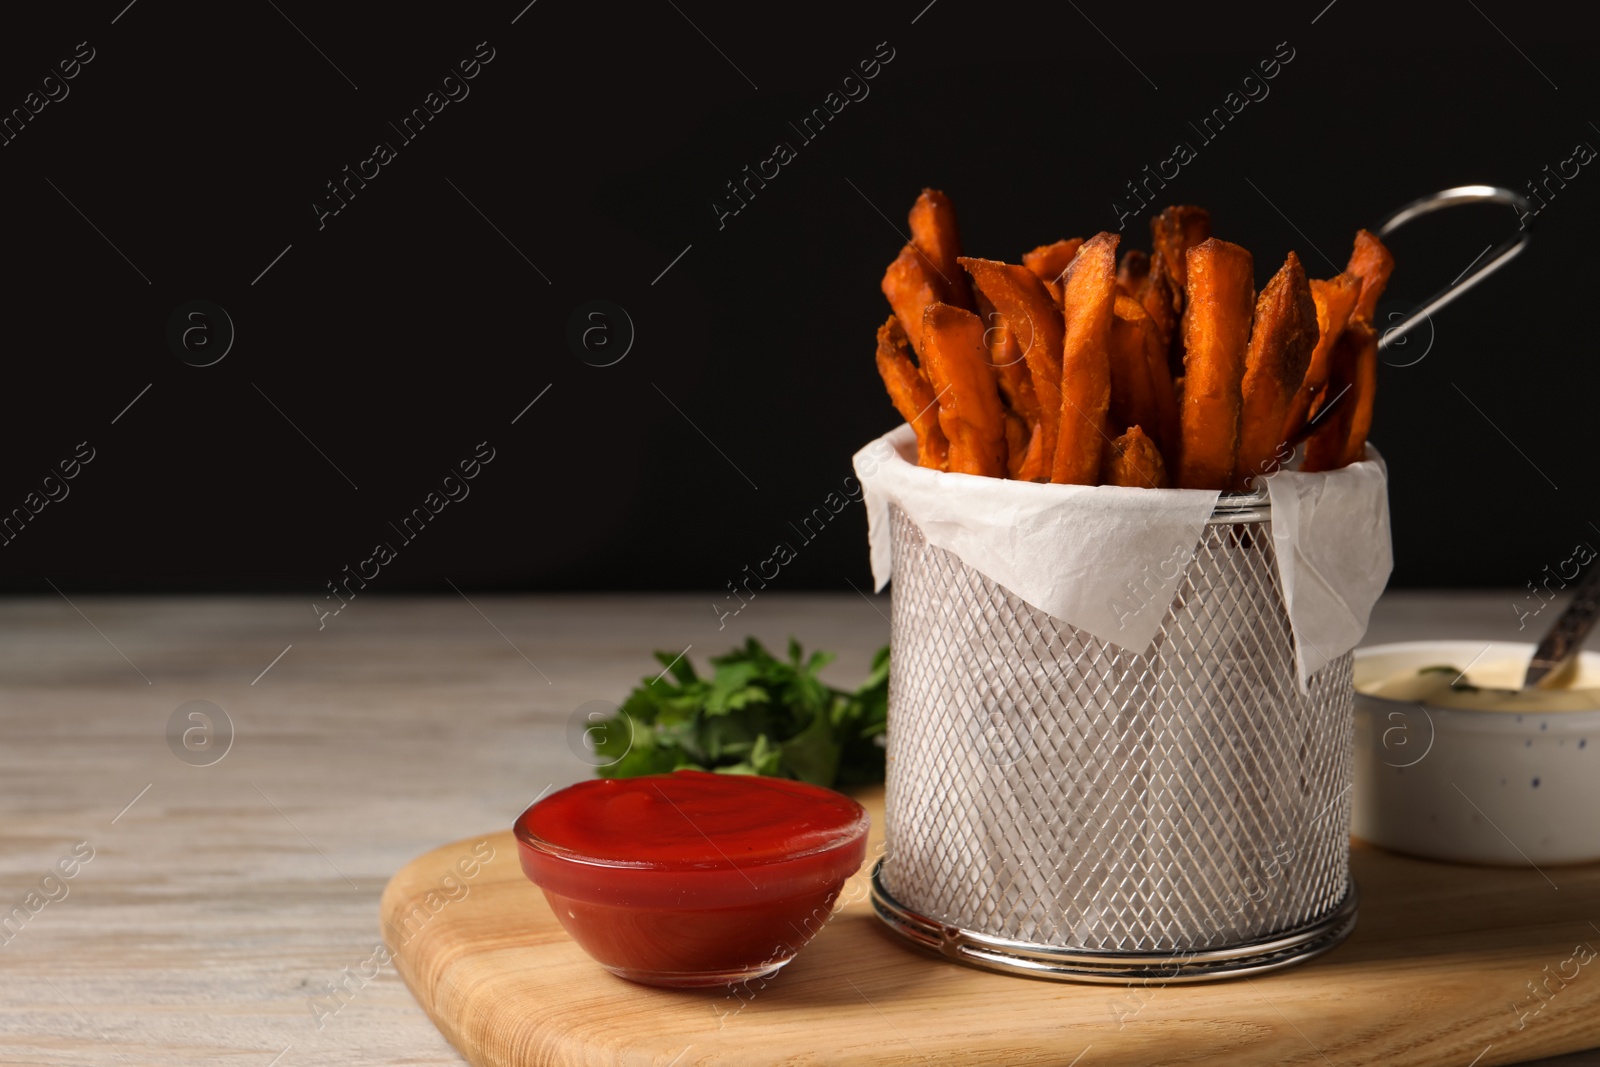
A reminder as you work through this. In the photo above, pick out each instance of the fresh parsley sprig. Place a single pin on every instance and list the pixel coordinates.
(756, 714)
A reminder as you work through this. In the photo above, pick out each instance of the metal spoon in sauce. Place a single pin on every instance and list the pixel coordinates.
(1555, 660)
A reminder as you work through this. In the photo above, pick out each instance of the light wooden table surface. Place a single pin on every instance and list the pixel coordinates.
(220, 900)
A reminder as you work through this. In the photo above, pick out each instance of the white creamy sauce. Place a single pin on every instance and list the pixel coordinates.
(1491, 686)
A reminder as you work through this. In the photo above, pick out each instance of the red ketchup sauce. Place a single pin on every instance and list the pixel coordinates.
(692, 878)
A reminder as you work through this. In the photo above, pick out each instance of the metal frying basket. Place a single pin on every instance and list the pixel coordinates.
(1062, 807)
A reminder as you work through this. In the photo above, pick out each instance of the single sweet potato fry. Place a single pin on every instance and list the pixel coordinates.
(1035, 322)
(911, 394)
(1220, 298)
(1146, 282)
(1005, 358)
(911, 285)
(1332, 427)
(1371, 262)
(1135, 399)
(1281, 343)
(1088, 297)
(957, 366)
(1172, 233)
(1335, 299)
(1134, 460)
(1050, 261)
(1162, 301)
(934, 232)
(1364, 384)
(1132, 273)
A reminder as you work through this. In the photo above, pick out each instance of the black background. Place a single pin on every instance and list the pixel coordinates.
(407, 329)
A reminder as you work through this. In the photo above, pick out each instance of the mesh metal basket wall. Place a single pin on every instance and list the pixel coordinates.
(1061, 806)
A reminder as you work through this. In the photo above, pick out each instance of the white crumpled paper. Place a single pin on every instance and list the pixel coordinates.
(1331, 533)
(1108, 559)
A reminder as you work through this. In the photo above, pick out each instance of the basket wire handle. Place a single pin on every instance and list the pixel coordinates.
(1480, 269)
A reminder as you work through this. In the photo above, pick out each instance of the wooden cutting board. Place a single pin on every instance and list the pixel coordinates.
(1441, 954)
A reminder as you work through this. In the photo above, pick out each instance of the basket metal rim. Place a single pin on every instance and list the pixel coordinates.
(1009, 956)
(1254, 505)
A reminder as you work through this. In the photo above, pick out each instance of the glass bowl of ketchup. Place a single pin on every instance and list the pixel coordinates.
(692, 878)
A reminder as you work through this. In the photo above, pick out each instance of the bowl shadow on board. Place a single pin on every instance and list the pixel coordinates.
(844, 964)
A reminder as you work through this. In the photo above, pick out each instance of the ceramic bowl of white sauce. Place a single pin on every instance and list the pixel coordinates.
(1454, 762)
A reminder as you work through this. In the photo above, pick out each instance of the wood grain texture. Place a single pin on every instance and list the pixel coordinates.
(217, 908)
(1427, 980)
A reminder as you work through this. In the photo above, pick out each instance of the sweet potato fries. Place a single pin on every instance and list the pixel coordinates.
(1161, 369)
